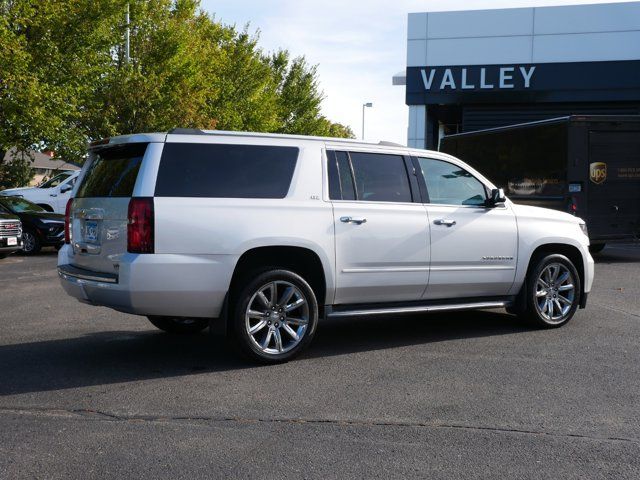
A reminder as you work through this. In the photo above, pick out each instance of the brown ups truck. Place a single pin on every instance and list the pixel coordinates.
(585, 165)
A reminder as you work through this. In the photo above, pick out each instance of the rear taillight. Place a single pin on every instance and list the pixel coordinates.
(140, 235)
(67, 221)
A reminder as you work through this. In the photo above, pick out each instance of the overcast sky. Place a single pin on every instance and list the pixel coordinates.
(358, 46)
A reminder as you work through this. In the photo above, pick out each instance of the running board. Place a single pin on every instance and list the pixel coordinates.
(450, 307)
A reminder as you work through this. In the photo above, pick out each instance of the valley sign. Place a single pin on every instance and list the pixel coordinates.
(544, 82)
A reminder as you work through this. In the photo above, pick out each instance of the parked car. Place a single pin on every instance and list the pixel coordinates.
(52, 195)
(263, 235)
(10, 234)
(39, 227)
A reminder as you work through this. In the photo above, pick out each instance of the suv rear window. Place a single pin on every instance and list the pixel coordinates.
(113, 171)
(225, 171)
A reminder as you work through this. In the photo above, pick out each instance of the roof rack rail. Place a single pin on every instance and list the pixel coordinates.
(390, 144)
(187, 131)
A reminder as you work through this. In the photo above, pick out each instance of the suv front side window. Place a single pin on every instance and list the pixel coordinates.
(449, 184)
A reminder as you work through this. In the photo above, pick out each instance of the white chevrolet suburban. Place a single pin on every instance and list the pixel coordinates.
(266, 234)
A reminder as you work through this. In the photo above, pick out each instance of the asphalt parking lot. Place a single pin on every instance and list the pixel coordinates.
(86, 392)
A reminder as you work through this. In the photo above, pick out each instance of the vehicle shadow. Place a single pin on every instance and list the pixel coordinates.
(124, 356)
(623, 253)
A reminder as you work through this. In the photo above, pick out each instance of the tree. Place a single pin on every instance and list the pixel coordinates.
(65, 81)
(299, 99)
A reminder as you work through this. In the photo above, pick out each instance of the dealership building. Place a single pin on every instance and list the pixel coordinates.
(472, 70)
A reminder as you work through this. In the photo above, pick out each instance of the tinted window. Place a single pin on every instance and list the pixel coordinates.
(380, 177)
(449, 184)
(346, 177)
(113, 171)
(229, 171)
(55, 181)
(340, 177)
(20, 205)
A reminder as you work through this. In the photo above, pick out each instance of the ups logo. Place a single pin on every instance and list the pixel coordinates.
(598, 172)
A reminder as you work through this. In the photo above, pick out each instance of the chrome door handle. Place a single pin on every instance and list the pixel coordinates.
(357, 221)
(53, 194)
(444, 221)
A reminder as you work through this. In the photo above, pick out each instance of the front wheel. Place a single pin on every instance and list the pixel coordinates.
(553, 291)
(179, 324)
(274, 316)
(30, 243)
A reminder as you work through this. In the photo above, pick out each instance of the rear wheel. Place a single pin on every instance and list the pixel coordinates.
(274, 317)
(179, 324)
(552, 291)
(30, 243)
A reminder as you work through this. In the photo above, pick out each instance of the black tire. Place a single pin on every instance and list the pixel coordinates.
(540, 309)
(3, 255)
(597, 248)
(30, 243)
(179, 325)
(279, 345)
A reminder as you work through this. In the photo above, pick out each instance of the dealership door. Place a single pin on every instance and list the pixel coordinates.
(614, 184)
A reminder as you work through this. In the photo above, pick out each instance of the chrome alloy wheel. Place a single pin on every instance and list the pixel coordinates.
(277, 317)
(28, 241)
(555, 292)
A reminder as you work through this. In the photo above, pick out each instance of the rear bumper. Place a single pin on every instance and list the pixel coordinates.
(158, 284)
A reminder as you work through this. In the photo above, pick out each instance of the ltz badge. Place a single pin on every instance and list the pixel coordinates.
(598, 172)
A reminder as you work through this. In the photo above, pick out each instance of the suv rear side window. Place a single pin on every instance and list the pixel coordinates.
(380, 177)
(225, 171)
(113, 171)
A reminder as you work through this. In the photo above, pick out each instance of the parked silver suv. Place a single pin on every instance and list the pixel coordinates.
(268, 233)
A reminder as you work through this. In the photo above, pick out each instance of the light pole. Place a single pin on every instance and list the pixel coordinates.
(365, 105)
(127, 36)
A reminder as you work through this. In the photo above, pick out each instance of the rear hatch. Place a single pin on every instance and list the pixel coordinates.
(613, 210)
(100, 207)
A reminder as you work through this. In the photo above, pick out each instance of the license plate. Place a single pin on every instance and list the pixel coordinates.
(91, 231)
(12, 241)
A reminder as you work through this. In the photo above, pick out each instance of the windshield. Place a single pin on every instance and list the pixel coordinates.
(55, 181)
(20, 205)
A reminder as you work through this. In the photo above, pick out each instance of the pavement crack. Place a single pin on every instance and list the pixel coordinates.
(99, 415)
(619, 310)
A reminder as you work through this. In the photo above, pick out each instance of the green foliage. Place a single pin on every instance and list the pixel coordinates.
(16, 170)
(64, 78)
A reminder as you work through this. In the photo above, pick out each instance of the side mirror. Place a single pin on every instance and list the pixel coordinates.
(497, 196)
(66, 188)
